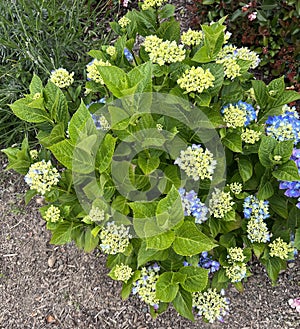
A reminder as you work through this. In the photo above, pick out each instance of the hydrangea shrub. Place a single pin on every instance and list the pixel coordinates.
(175, 162)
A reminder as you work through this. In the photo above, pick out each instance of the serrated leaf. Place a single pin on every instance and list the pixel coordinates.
(160, 241)
(63, 232)
(196, 278)
(105, 153)
(287, 172)
(167, 286)
(183, 304)
(233, 141)
(245, 168)
(266, 147)
(190, 241)
(63, 152)
(146, 255)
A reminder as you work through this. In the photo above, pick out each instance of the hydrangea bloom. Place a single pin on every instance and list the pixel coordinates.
(286, 126)
(162, 52)
(61, 78)
(258, 231)
(236, 188)
(239, 114)
(229, 57)
(145, 286)
(206, 261)
(236, 272)
(196, 79)
(33, 154)
(211, 305)
(97, 215)
(191, 37)
(124, 21)
(92, 70)
(111, 50)
(42, 176)
(114, 238)
(52, 214)
(192, 206)
(250, 136)
(152, 3)
(281, 249)
(123, 272)
(235, 254)
(254, 208)
(197, 162)
(292, 188)
(220, 203)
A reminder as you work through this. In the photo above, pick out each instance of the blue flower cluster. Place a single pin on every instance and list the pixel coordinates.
(293, 188)
(192, 206)
(285, 126)
(248, 109)
(256, 208)
(206, 261)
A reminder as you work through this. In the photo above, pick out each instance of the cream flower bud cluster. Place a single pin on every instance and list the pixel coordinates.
(236, 272)
(236, 188)
(220, 203)
(250, 136)
(92, 70)
(191, 37)
(196, 79)
(33, 154)
(234, 116)
(281, 249)
(114, 238)
(211, 305)
(52, 214)
(124, 21)
(61, 78)
(235, 254)
(152, 3)
(162, 52)
(111, 50)
(42, 176)
(196, 162)
(123, 272)
(97, 215)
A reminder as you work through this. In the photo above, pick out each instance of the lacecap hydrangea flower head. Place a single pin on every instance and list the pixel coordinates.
(61, 78)
(152, 3)
(286, 126)
(52, 214)
(123, 272)
(220, 203)
(192, 37)
(239, 114)
(42, 176)
(197, 162)
(92, 70)
(281, 249)
(145, 286)
(211, 305)
(206, 261)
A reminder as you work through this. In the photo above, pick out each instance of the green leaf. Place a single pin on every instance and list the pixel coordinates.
(115, 79)
(265, 190)
(56, 103)
(183, 304)
(297, 239)
(169, 30)
(21, 109)
(148, 164)
(233, 141)
(36, 85)
(190, 241)
(105, 153)
(127, 286)
(196, 278)
(140, 79)
(169, 210)
(286, 97)
(146, 255)
(284, 149)
(279, 205)
(63, 152)
(266, 148)
(287, 172)
(167, 11)
(160, 241)
(63, 232)
(258, 249)
(167, 286)
(273, 266)
(81, 124)
(245, 168)
(261, 93)
(90, 241)
(29, 195)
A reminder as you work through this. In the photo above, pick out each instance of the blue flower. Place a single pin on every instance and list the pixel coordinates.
(128, 55)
